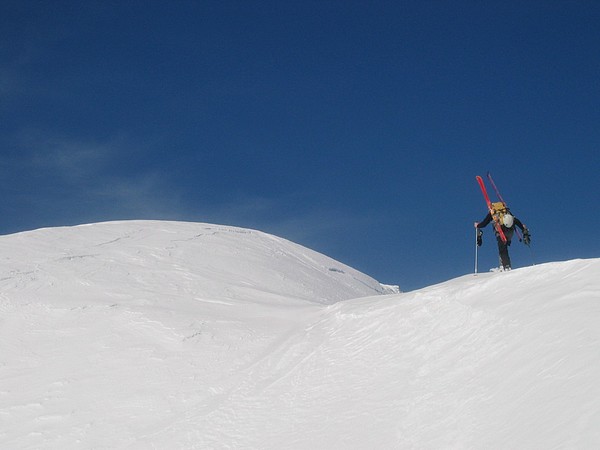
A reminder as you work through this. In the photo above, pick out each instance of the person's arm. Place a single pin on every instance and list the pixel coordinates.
(520, 224)
(525, 230)
(484, 222)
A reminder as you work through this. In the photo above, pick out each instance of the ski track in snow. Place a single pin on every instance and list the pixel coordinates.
(179, 335)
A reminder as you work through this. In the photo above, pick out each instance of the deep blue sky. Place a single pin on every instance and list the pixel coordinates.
(355, 128)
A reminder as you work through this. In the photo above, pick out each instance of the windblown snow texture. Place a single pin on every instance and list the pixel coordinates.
(181, 335)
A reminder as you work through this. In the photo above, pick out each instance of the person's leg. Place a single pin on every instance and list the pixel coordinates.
(503, 252)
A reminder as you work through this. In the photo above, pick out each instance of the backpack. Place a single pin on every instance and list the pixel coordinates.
(499, 210)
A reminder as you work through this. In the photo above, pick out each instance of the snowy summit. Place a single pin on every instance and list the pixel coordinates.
(147, 334)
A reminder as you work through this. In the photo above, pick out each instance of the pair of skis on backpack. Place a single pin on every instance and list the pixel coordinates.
(496, 209)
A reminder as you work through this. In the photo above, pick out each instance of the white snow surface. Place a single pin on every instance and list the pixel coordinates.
(170, 335)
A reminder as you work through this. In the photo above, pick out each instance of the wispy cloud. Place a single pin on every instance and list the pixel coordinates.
(69, 158)
(91, 179)
(288, 216)
(145, 195)
(319, 224)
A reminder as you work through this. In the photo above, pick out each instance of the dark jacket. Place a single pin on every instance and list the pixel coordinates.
(508, 232)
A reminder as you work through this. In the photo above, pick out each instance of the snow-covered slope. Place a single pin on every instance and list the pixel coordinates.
(177, 335)
(170, 259)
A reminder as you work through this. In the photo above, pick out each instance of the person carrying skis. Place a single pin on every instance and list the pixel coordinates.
(508, 222)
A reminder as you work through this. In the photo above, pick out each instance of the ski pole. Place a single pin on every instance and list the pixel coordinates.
(527, 242)
(476, 248)
(531, 255)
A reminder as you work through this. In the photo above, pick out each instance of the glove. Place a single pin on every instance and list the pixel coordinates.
(526, 237)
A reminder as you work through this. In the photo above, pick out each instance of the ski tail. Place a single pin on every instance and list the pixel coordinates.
(496, 190)
(495, 217)
(484, 191)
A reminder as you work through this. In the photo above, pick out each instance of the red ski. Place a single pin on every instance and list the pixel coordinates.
(495, 217)
(491, 180)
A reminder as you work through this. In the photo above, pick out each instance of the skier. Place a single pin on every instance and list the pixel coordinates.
(508, 227)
